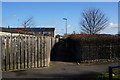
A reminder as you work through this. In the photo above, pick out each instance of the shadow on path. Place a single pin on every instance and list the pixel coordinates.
(61, 52)
(86, 76)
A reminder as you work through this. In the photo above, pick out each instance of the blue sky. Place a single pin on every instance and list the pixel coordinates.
(51, 14)
(60, 0)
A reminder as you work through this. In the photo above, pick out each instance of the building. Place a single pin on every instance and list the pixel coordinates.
(38, 31)
(6, 31)
(31, 31)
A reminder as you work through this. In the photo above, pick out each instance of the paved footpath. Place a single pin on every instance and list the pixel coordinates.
(60, 70)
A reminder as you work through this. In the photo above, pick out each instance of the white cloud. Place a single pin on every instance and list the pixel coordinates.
(111, 29)
(111, 25)
(69, 26)
(14, 15)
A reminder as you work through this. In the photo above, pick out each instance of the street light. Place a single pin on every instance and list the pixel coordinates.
(66, 32)
(66, 24)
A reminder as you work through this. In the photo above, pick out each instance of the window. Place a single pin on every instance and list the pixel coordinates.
(39, 32)
(45, 32)
(49, 32)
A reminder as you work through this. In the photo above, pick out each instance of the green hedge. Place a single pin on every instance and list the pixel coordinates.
(91, 47)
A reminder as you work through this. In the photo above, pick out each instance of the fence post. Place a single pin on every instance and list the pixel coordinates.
(110, 73)
(0, 57)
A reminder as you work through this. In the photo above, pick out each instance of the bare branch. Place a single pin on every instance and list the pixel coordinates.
(28, 22)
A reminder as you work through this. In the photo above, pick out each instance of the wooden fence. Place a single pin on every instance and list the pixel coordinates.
(24, 52)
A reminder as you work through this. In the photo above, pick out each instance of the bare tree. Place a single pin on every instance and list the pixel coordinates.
(28, 22)
(93, 21)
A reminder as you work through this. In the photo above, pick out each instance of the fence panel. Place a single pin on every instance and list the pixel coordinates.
(23, 52)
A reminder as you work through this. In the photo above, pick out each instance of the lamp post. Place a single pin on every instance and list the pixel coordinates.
(66, 33)
(66, 24)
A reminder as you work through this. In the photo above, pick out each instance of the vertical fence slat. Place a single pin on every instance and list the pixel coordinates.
(53, 42)
(22, 52)
(42, 52)
(29, 53)
(14, 63)
(21, 55)
(35, 52)
(7, 53)
(39, 51)
(16, 53)
(3, 53)
(48, 43)
(25, 52)
(9, 47)
(45, 51)
(19, 52)
(41, 59)
(11, 53)
(32, 52)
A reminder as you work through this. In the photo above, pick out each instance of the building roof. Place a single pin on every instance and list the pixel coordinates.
(8, 30)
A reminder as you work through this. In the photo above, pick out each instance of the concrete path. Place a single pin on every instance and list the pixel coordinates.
(61, 70)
